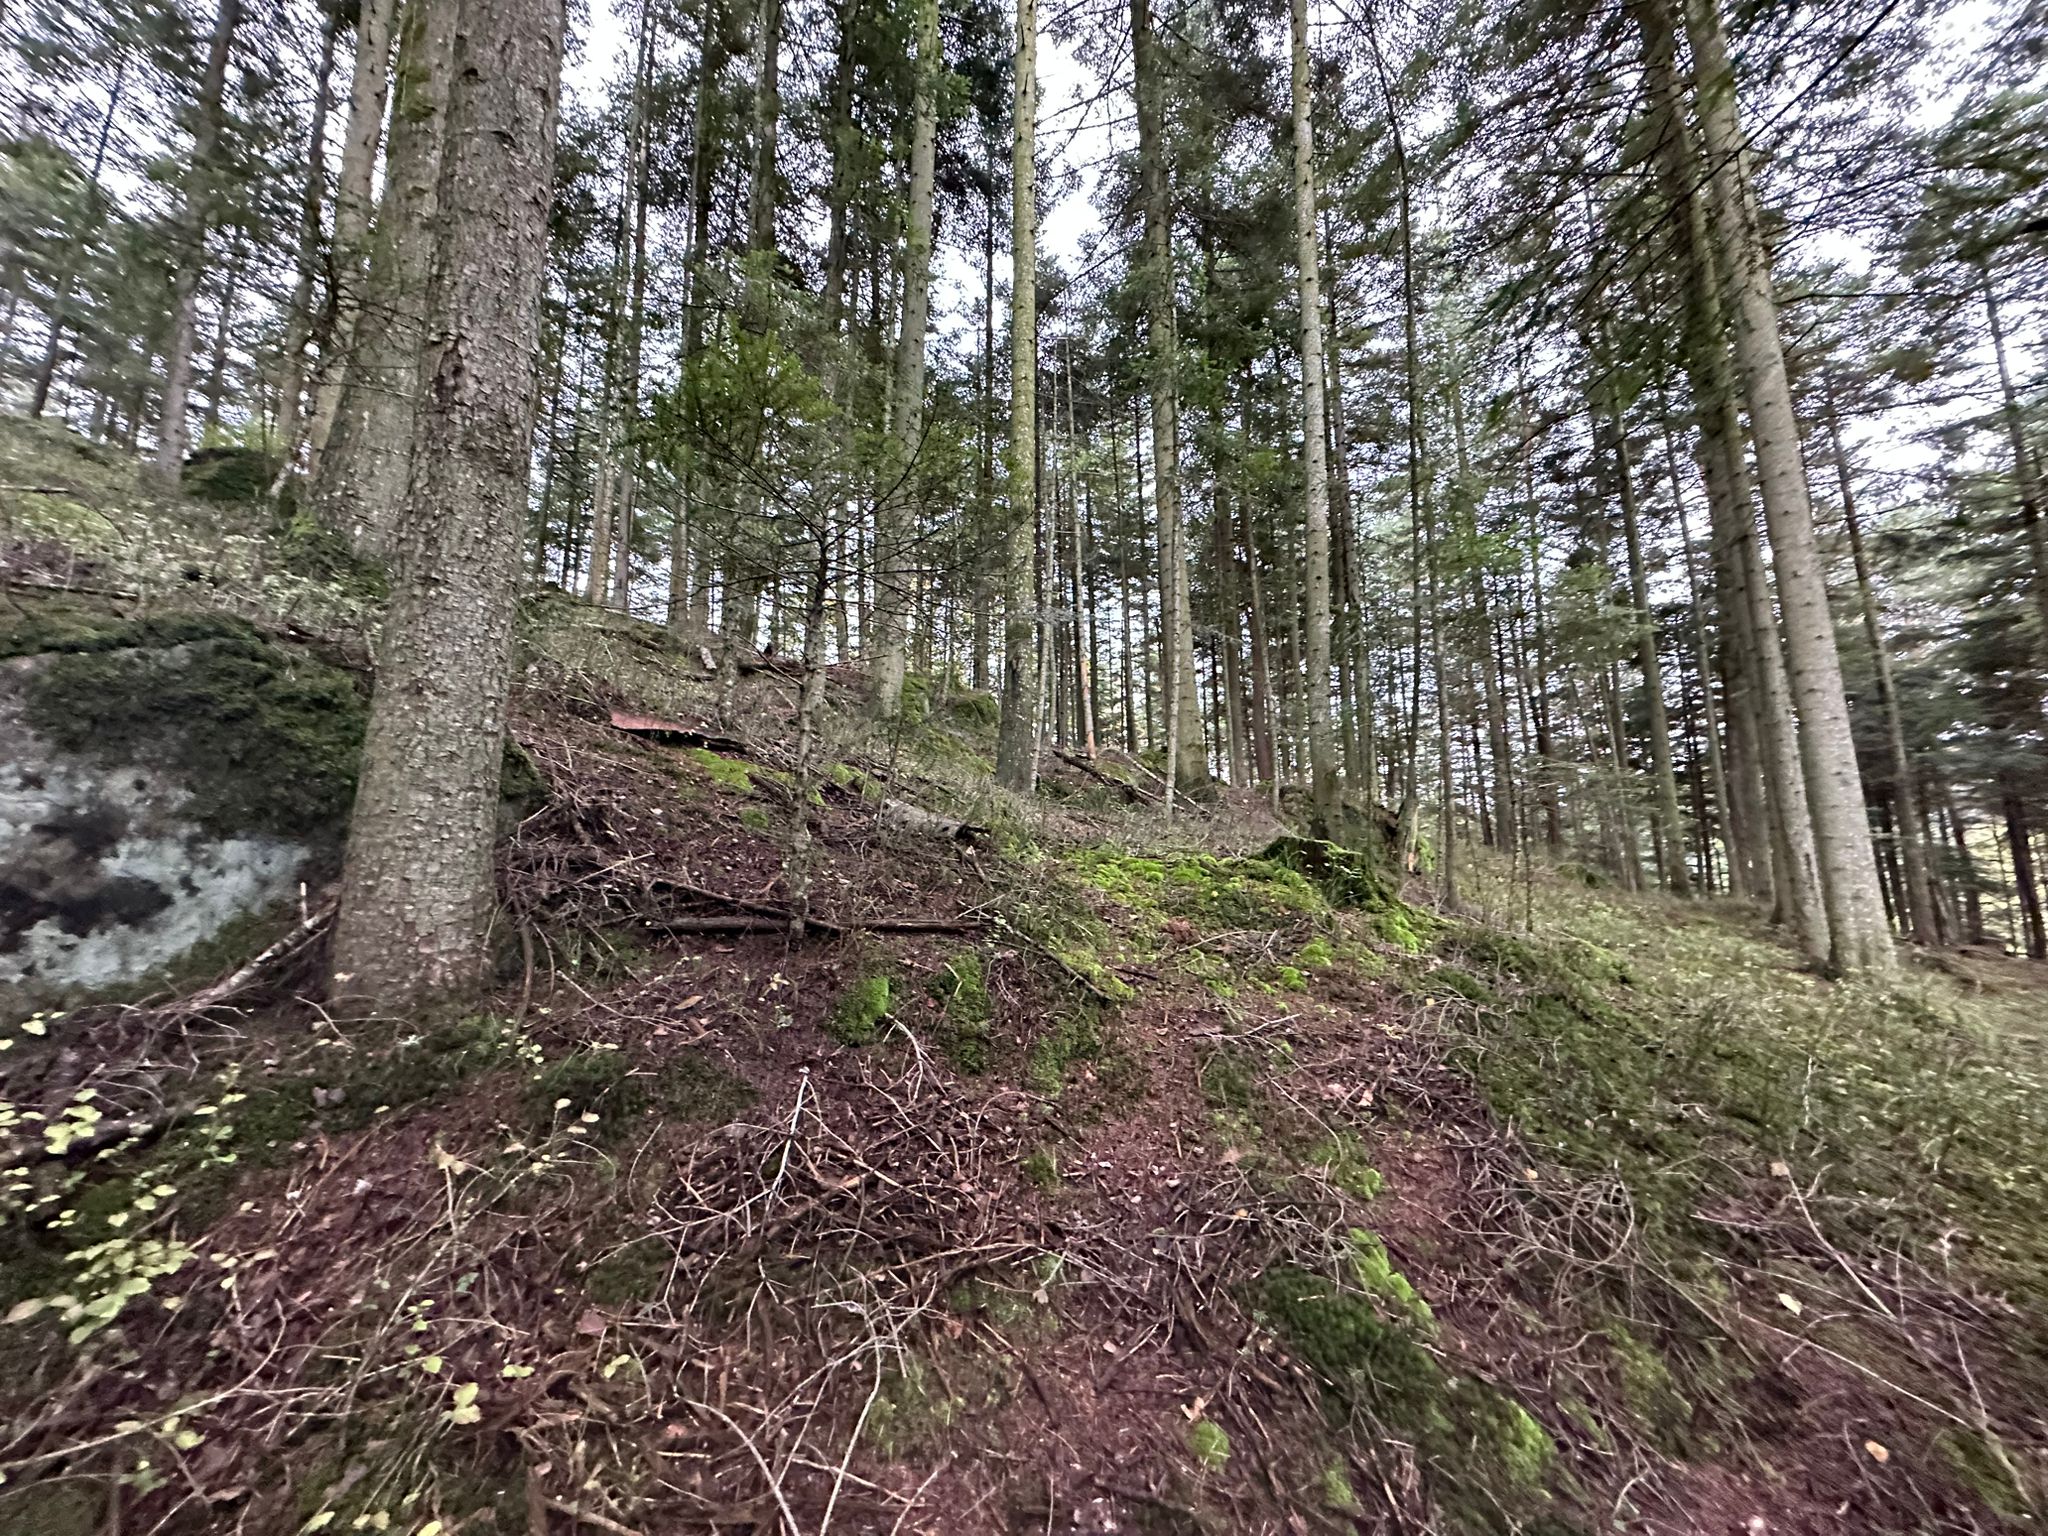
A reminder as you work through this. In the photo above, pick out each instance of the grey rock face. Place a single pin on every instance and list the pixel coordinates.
(104, 878)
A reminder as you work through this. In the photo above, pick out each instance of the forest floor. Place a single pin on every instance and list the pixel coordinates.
(1094, 1174)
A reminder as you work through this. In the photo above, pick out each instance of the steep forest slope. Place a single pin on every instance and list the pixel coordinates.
(1068, 1169)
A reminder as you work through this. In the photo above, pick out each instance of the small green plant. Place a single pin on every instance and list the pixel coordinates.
(1210, 1445)
(1042, 1168)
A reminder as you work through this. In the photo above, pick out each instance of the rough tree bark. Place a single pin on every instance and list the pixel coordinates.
(416, 884)
(894, 571)
(359, 486)
(1323, 787)
(1017, 734)
(195, 218)
(1858, 939)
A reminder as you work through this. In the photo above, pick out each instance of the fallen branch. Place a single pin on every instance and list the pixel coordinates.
(1131, 793)
(770, 922)
(239, 981)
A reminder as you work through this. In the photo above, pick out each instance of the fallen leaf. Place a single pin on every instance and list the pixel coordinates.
(1790, 1303)
(592, 1322)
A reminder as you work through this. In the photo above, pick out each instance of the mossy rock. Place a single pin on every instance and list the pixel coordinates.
(267, 736)
(1347, 877)
(229, 475)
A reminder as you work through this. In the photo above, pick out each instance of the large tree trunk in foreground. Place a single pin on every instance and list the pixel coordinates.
(360, 483)
(416, 885)
(1858, 938)
(1323, 792)
(195, 218)
(1017, 735)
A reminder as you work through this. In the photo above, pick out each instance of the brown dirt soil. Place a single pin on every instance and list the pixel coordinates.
(724, 1272)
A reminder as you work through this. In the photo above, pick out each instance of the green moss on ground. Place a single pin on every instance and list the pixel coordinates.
(1210, 1444)
(912, 1411)
(1488, 1465)
(967, 1013)
(857, 1014)
(1215, 893)
(1073, 1036)
(725, 772)
(1343, 1161)
(696, 1090)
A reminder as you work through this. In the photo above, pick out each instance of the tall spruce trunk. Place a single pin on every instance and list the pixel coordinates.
(1408, 820)
(895, 530)
(74, 251)
(2032, 514)
(629, 470)
(359, 486)
(416, 893)
(1717, 767)
(298, 317)
(1664, 782)
(369, 90)
(195, 219)
(1157, 279)
(689, 609)
(1324, 795)
(1767, 780)
(1017, 731)
(1919, 885)
(1858, 939)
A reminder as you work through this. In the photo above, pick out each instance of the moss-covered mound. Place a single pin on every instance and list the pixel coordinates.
(266, 734)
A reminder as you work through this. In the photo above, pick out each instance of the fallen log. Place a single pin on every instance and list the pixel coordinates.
(901, 816)
(675, 733)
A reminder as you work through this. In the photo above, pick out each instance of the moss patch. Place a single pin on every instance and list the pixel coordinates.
(966, 1012)
(857, 1015)
(1073, 1036)
(1487, 1461)
(725, 772)
(267, 736)
(1208, 892)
